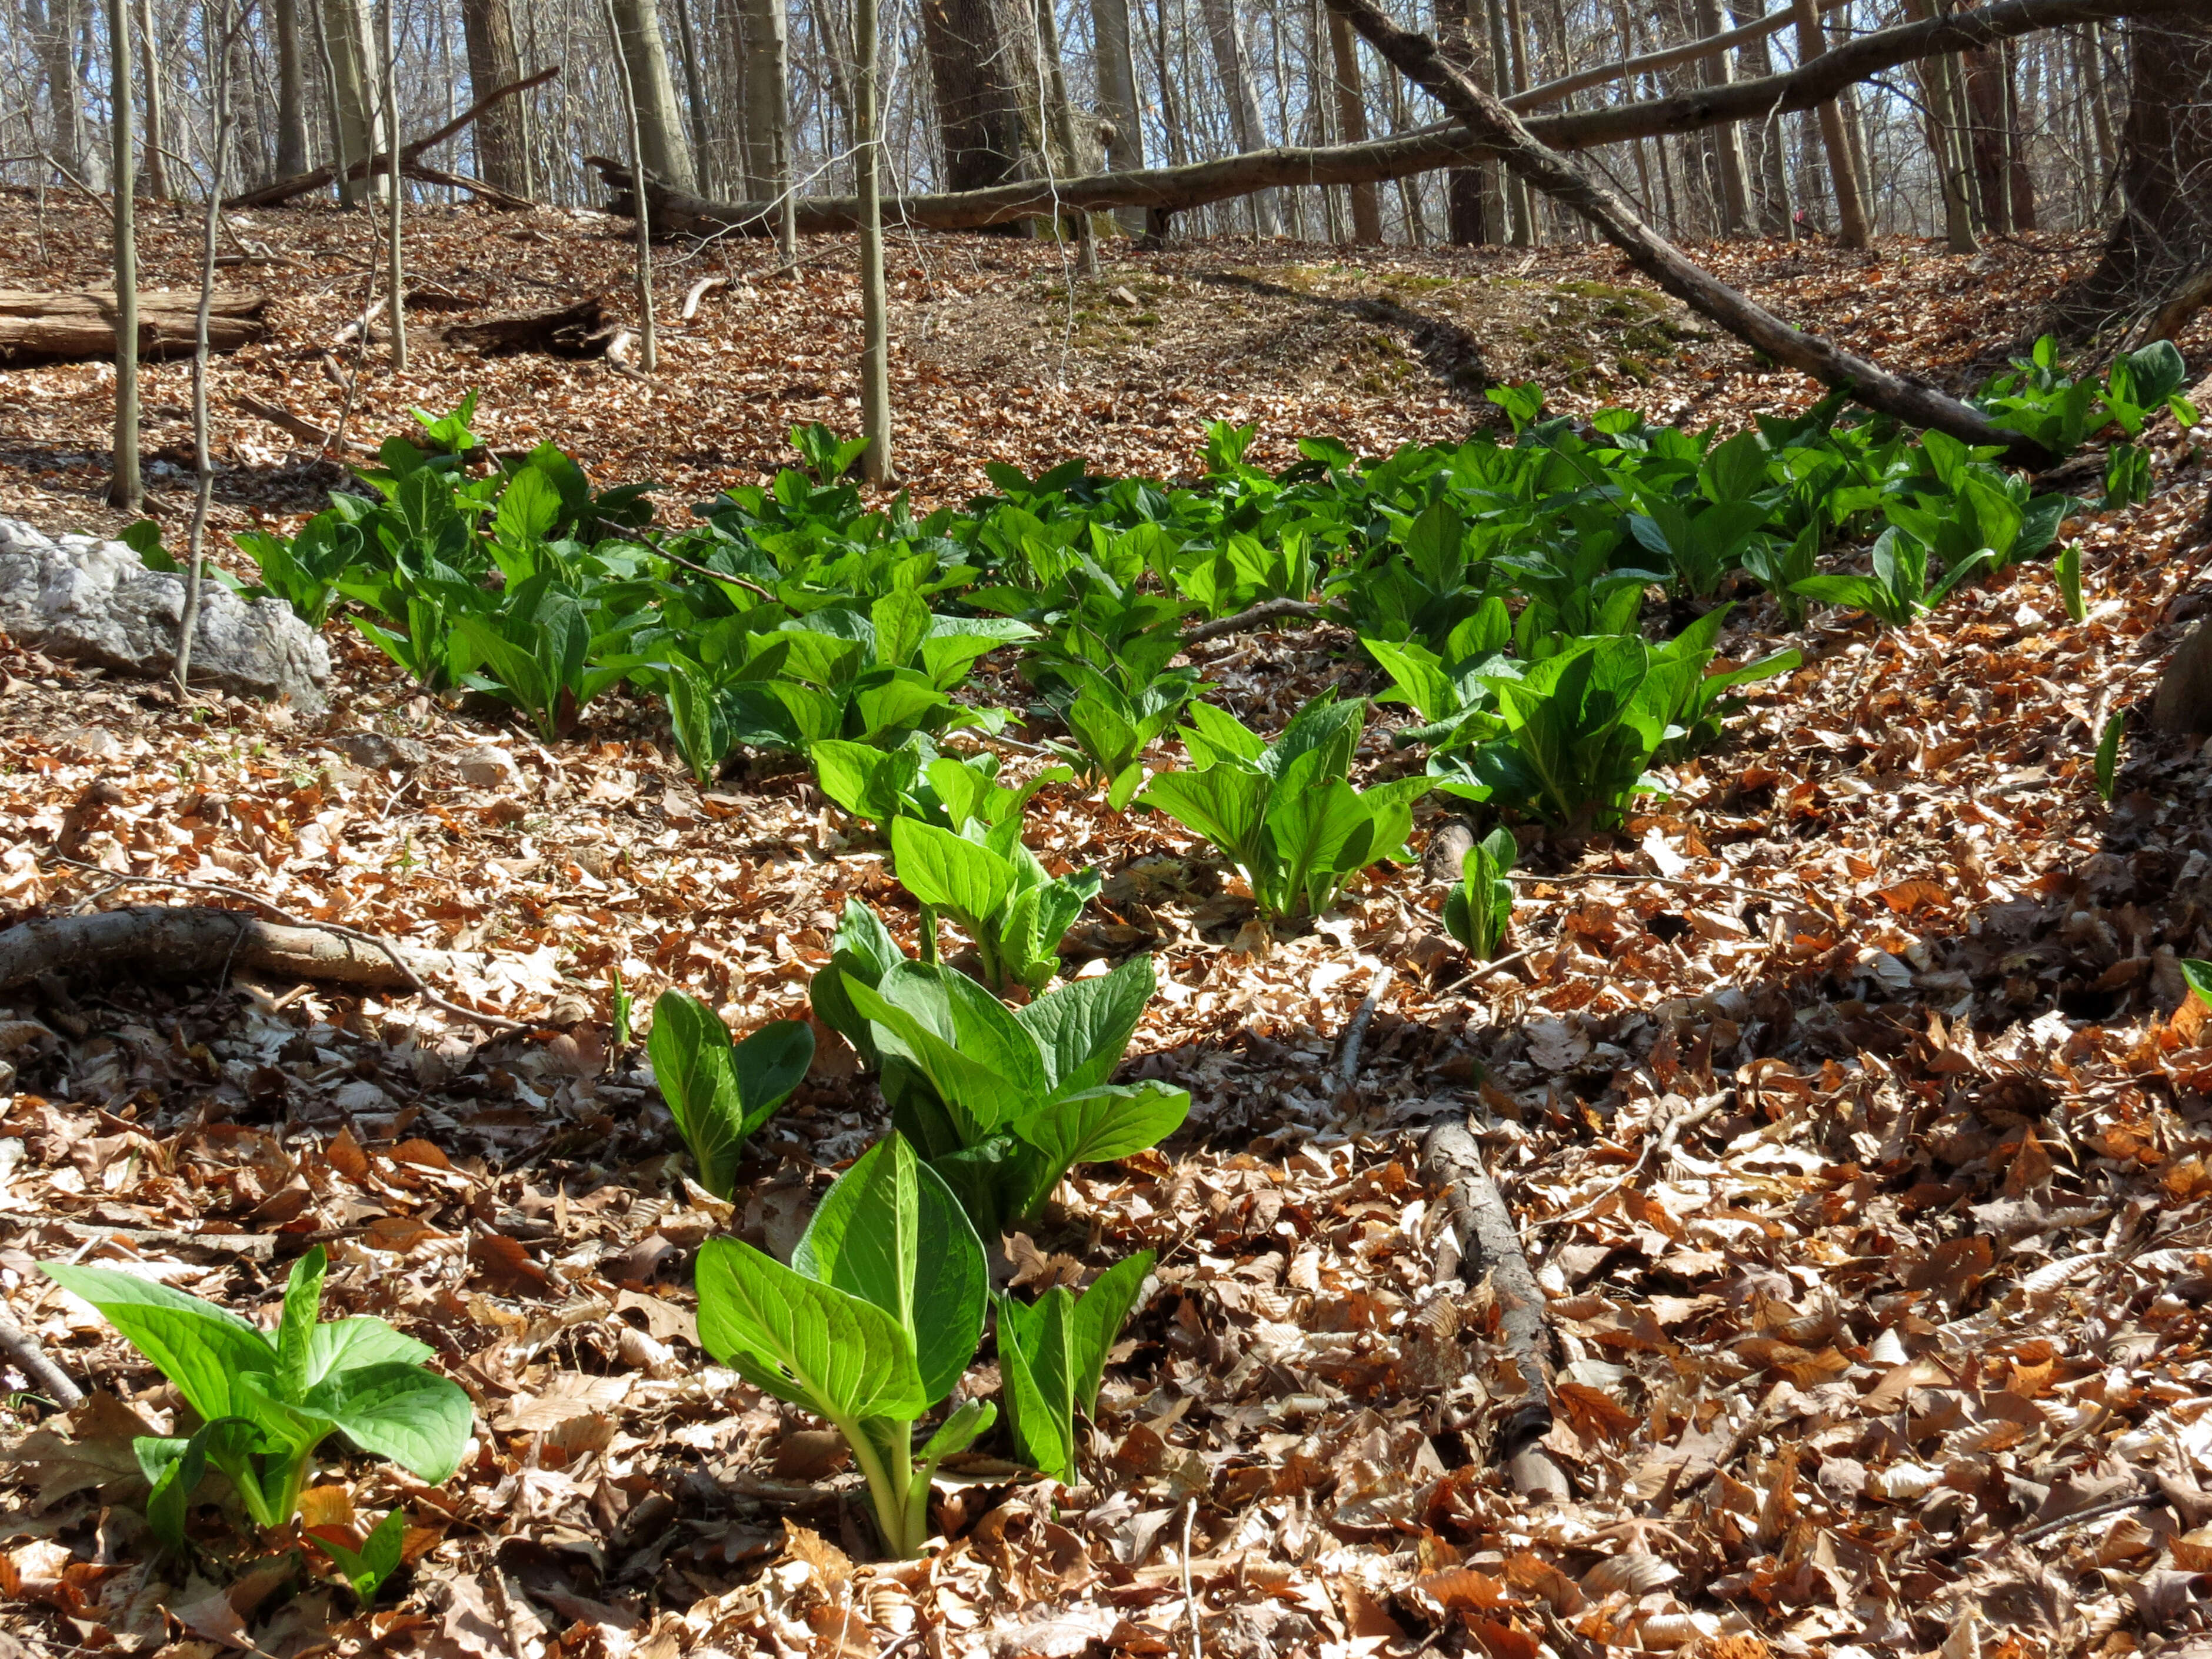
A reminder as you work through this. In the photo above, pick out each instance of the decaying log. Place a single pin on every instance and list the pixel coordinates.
(1167, 191)
(196, 941)
(72, 327)
(1527, 157)
(576, 330)
(1489, 1246)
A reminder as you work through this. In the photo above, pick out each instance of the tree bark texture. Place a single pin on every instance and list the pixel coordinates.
(124, 488)
(661, 122)
(1117, 71)
(1352, 124)
(39, 327)
(1851, 228)
(353, 66)
(2164, 233)
(502, 140)
(192, 942)
(291, 87)
(979, 113)
(156, 134)
(1467, 219)
(1231, 62)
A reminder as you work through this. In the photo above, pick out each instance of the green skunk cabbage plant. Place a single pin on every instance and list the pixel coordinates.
(1477, 911)
(913, 781)
(1111, 726)
(266, 1405)
(719, 1091)
(1004, 1102)
(1283, 812)
(872, 1324)
(1051, 1354)
(996, 889)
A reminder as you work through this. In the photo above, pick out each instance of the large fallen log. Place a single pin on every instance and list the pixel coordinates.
(576, 330)
(1527, 157)
(37, 327)
(1165, 190)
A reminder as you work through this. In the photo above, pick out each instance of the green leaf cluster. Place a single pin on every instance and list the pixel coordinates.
(1283, 812)
(719, 1091)
(265, 1405)
(1052, 1353)
(1478, 911)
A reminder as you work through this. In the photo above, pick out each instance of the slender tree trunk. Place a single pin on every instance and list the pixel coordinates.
(1985, 105)
(1352, 124)
(53, 31)
(1943, 148)
(1234, 66)
(1770, 169)
(1116, 74)
(1850, 205)
(1514, 192)
(877, 462)
(694, 93)
(660, 125)
(1466, 222)
(394, 254)
(501, 133)
(648, 335)
(123, 486)
(2023, 178)
(188, 624)
(1527, 232)
(1719, 71)
(979, 114)
(346, 36)
(157, 163)
(768, 117)
(291, 89)
(1063, 128)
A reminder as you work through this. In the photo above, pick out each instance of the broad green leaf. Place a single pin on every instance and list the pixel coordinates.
(689, 1048)
(1081, 1027)
(418, 1419)
(891, 1232)
(376, 1560)
(770, 1063)
(295, 1330)
(982, 1065)
(1033, 1364)
(1099, 1316)
(349, 1345)
(1112, 1121)
(946, 869)
(2197, 976)
(1224, 803)
(809, 1344)
(200, 1347)
(866, 781)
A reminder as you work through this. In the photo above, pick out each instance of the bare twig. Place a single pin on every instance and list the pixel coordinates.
(31, 1359)
(699, 291)
(1260, 616)
(1189, 1597)
(1355, 1034)
(2094, 1512)
(1693, 883)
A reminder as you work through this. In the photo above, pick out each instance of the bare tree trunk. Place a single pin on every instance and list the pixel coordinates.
(1772, 168)
(667, 152)
(1465, 219)
(53, 31)
(395, 266)
(188, 624)
(979, 116)
(648, 335)
(694, 93)
(157, 161)
(2164, 233)
(1851, 230)
(877, 462)
(1719, 71)
(291, 89)
(1352, 122)
(502, 138)
(1234, 66)
(1939, 97)
(1547, 169)
(1985, 107)
(346, 38)
(1063, 128)
(124, 490)
(1116, 72)
(768, 117)
(1516, 193)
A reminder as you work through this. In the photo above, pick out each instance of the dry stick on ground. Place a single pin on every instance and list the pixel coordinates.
(260, 1247)
(1417, 57)
(1355, 1034)
(1259, 615)
(699, 291)
(322, 963)
(48, 1378)
(1446, 144)
(1452, 1164)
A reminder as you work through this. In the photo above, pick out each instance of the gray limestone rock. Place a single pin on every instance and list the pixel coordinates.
(93, 601)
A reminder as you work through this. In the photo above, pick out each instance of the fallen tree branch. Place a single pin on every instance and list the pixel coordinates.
(284, 420)
(1415, 57)
(1490, 1243)
(260, 1247)
(1355, 1034)
(1425, 149)
(1709, 45)
(2191, 297)
(1259, 615)
(700, 291)
(299, 183)
(48, 1378)
(183, 943)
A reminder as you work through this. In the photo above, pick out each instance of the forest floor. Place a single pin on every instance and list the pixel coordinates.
(1873, 1246)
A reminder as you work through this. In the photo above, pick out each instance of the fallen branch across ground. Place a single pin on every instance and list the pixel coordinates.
(1545, 168)
(197, 940)
(37, 326)
(1489, 1246)
(1165, 191)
